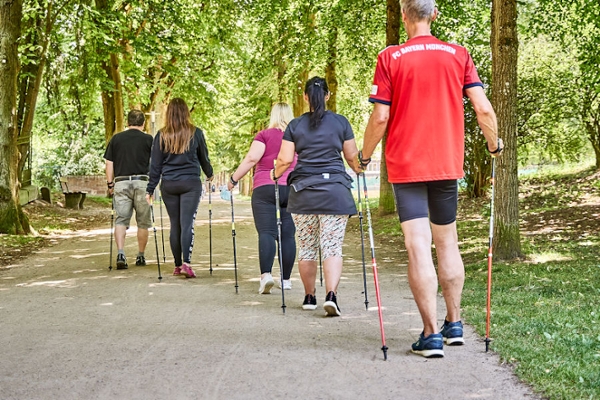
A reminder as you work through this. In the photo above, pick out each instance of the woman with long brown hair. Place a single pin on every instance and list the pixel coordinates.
(179, 152)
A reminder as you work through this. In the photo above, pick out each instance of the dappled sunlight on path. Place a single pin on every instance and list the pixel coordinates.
(89, 329)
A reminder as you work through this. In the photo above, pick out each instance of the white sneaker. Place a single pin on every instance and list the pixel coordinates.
(266, 284)
(287, 284)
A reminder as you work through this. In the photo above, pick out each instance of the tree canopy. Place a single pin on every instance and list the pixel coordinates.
(84, 64)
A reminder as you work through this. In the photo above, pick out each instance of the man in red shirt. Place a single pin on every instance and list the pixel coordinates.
(418, 94)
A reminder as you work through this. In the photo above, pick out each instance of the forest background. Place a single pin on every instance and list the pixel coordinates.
(72, 69)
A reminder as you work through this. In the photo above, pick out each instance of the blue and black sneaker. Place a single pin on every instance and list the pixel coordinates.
(430, 346)
(121, 261)
(453, 333)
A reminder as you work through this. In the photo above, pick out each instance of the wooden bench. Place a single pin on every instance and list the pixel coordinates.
(73, 199)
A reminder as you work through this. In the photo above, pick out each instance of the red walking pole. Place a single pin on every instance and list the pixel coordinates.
(490, 254)
(375, 278)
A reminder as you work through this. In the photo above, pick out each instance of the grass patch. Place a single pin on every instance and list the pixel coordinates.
(546, 307)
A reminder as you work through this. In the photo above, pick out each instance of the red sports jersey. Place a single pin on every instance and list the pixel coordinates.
(423, 82)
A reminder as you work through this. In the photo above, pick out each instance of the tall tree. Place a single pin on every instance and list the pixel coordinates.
(505, 46)
(12, 219)
(392, 37)
(108, 53)
(37, 28)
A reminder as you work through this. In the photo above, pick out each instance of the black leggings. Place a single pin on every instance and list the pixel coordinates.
(265, 220)
(181, 200)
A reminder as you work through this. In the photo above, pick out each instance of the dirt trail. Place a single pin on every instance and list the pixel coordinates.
(70, 329)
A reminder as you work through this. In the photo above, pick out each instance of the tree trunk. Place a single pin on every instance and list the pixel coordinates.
(112, 99)
(392, 37)
(112, 93)
(590, 114)
(505, 46)
(12, 219)
(29, 81)
(282, 87)
(330, 71)
(300, 106)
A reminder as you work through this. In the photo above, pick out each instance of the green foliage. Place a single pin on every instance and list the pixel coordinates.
(231, 60)
(575, 26)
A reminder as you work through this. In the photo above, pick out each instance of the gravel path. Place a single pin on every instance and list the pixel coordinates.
(72, 329)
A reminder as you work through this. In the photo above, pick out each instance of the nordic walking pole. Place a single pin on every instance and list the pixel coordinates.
(155, 242)
(112, 220)
(279, 251)
(162, 231)
(375, 278)
(489, 277)
(362, 241)
(320, 264)
(234, 246)
(210, 225)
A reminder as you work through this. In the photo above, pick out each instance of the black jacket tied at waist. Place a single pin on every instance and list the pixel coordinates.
(300, 180)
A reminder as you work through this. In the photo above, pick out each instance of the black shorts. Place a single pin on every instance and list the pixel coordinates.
(437, 200)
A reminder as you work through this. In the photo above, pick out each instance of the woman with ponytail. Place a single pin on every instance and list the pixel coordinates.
(320, 198)
(179, 152)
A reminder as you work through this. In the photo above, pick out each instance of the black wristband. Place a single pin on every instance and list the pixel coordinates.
(498, 148)
(110, 184)
(275, 178)
(363, 161)
(233, 182)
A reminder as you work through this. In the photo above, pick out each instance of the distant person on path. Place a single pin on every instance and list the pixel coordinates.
(127, 165)
(263, 151)
(418, 94)
(320, 199)
(179, 152)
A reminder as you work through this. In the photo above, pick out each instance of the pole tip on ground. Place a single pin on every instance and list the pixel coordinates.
(487, 344)
(385, 349)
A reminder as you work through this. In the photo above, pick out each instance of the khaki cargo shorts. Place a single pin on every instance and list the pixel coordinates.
(129, 196)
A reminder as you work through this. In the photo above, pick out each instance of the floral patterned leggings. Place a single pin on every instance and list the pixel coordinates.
(331, 228)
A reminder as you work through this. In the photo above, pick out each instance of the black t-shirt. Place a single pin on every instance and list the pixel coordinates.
(319, 148)
(319, 183)
(130, 152)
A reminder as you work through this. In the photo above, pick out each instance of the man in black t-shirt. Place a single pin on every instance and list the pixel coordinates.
(127, 167)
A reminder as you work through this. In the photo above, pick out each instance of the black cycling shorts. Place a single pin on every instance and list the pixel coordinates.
(437, 200)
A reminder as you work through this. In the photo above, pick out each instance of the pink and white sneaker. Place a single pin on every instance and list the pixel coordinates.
(187, 271)
(177, 271)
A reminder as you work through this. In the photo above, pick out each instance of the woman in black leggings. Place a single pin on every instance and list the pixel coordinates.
(179, 152)
(262, 153)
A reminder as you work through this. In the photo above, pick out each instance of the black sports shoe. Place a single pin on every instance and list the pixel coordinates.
(140, 260)
(331, 307)
(121, 261)
(310, 302)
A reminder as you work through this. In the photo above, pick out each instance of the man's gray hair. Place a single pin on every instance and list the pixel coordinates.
(418, 10)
